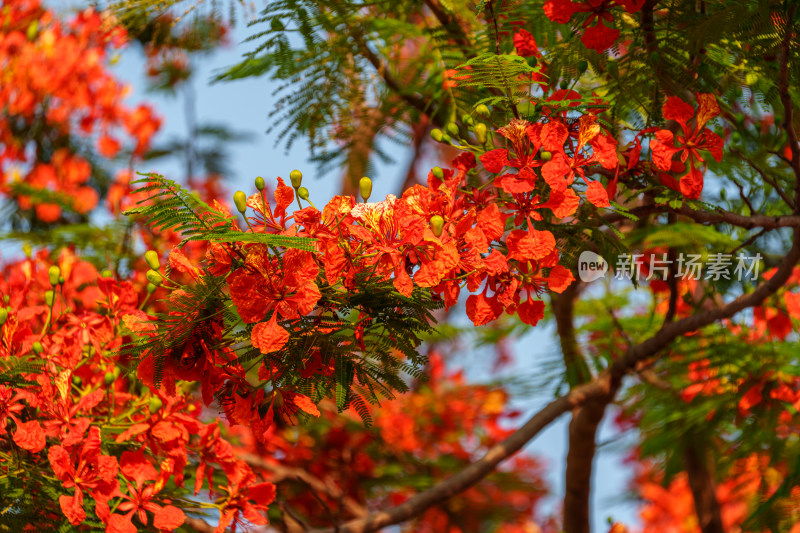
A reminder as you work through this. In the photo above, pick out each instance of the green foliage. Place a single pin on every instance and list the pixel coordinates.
(170, 207)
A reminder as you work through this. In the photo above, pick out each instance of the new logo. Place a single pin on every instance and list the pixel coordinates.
(591, 266)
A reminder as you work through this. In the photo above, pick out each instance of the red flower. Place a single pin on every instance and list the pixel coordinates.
(526, 44)
(666, 144)
(86, 470)
(137, 468)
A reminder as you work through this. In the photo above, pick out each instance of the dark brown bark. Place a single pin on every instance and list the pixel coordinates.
(580, 459)
(704, 490)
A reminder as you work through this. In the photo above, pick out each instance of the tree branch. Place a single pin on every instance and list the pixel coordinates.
(788, 106)
(298, 474)
(600, 388)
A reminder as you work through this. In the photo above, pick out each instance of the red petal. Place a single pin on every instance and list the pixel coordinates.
(554, 135)
(597, 194)
(531, 311)
(305, 403)
(30, 436)
(676, 109)
(269, 337)
(494, 160)
(169, 518)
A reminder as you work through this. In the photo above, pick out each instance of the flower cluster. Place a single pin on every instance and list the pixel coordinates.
(72, 418)
(55, 88)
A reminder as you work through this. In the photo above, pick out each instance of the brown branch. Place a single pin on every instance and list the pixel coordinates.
(282, 472)
(480, 468)
(418, 103)
(719, 216)
(766, 177)
(585, 419)
(452, 24)
(703, 487)
(199, 525)
(788, 106)
(601, 388)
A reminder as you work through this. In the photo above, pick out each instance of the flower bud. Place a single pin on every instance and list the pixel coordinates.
(54, 273)
(3, 316)
(76, 380)
(436, 135)
(151, 258)
(438, 172)
(154, 404)
(302, 192)
(49, 298)
(466, 119)
(563, 85)
(365, 188)
(37, 348)
(260, 183)
(240, 200)
(117, 371)
(296, 177)
(109, 377)
(545, 156)
(480, 132)
(582, 66)
(482, 110)
(151, 288)
(33, 30)
(107, 273)
(446, 138)
(437, 224)
(61, 280)
(452, 129)
(154, 277)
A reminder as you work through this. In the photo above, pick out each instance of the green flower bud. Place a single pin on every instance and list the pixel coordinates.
(302, 192)
(438, 172)
(582, 66)
(480, 132)
(240, 200)
(3, 316)
(564, 84)
(151, 258)
(482, 110)
(365, 188)
(532, 61)
(452, 129)
(37, 348)
(446, 138)
(296, 177)
(54, 273)
(154, 404)
(154, 277)
(33, 30)
(109, 377)
(49, 298)
(436, 135)
(151, 288)
(107, 273)
(61, 280)
(437, 224)
(466, 119)
(117, 371)
(76, 380)
(260, 183)
(545, 156)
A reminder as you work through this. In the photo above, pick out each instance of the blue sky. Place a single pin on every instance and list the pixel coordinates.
(245, 106)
